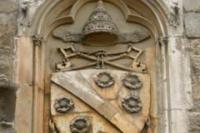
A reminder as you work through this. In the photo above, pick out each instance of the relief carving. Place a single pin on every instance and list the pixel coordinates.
(100, 58)
(66, 36)
(37, 40)
(175, 14)
(80, 125)
(132, 82)
(63, 105)
(100, 30)
(101, 50)
(123, 38)
(104, 80)
(24, 10)
(52, 126)
(77, 83)
(132, 104)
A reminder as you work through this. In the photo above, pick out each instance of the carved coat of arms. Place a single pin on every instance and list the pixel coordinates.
(101, 86)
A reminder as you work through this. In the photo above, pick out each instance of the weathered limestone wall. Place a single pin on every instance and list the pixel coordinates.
(192, 31)
(8, 22)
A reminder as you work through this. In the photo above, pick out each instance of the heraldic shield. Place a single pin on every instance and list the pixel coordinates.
(99, 101)
(103, 83)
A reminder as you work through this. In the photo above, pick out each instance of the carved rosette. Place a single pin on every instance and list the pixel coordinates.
(63, 105)
(132, 104)
(132, 82)
(104, 80)
(80, 125)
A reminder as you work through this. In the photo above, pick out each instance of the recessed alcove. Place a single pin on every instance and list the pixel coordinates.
(60, 62)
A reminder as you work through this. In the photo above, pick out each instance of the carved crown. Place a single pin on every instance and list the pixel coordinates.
(100, 28)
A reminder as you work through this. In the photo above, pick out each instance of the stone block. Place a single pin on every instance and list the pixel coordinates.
(196, 106)
(194, 123)
(195, 63)
(192, 21)
(6, 130)
(195, 46)
(7, 6)
(7, 104)
(191, 5)
(195, 67)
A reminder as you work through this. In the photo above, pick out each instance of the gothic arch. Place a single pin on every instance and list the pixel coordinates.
(156, 19)
(53, 13)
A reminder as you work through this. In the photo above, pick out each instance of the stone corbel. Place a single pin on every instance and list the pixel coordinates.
(174, 15)
(24, 11)
(37, 40)
(163, 40)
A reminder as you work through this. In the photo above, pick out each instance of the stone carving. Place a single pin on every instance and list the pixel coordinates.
(123, 38)
(37, 40)
(80, 125)
(175, 14)
(100, 59)
(134, 37)
(163, 40)
(67, 36)
(140, 67)
(132, 104)
(64, 65)
(52, 126)
(104, 80)
(132, 82)
(101, 28)
(85, 50)
(102, 101)
(24, 10)
(100, 22)
(63, 105)
(102, 31)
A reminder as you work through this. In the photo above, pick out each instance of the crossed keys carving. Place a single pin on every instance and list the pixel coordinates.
(100, 58)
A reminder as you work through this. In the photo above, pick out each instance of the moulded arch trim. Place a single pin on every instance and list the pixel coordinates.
(162, 12)
(129, 17)
(120, 4)
(43, 12)
(50, 5)
(80, 3)
(127, 13)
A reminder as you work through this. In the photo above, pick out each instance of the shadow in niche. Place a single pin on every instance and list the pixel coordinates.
(145, 130)
(7, 106)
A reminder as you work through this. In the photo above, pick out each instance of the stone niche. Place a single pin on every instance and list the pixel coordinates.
(100, 67)
(95, 66)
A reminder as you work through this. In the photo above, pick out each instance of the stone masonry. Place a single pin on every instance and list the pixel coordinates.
(8, 22)
(192, 23)
(8, 30)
